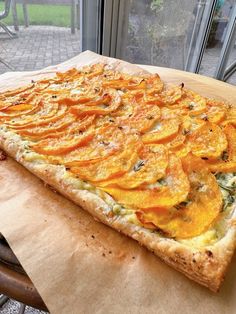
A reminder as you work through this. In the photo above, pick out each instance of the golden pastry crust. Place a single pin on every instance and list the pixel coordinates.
(207, 266)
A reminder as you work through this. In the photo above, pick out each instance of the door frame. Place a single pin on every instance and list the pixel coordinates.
(91, 25)
(222, 71)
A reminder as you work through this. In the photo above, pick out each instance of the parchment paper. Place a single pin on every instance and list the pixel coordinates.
(81, 266)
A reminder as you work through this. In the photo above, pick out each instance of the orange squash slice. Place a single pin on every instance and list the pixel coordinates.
(209, 141)
(60, 146)
(227, 162)
(150, 167)
(42, 131)
(106, 142)
(215, 114)
(174, 192)
(112, 166)
(194, 216)
(192, 102)
(162, 131)
(142, 118)
(103, 109)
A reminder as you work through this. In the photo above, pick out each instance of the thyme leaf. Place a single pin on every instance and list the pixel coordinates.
(227, 202)
(230, 189)
(191, 106)
(139, 165)
(182, 205)
(185, 132)
(105, 143)
(225, 155)
(162, 181)
(150, 117)
(219, 176)
(204, 117)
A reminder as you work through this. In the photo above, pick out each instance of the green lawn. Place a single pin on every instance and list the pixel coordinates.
(57, 15)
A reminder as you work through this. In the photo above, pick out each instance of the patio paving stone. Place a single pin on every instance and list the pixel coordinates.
(37, 47)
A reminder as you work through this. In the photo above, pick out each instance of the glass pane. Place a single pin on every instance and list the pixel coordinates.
(159, 32)
(48, 34)
(216, 40)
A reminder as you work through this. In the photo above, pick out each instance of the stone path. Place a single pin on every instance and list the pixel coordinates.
(37, 47)
(12, 307)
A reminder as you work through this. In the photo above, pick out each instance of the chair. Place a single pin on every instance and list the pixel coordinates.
(74, 4)
(3, 15)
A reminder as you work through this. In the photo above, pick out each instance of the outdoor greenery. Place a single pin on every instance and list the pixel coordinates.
(156, 5)
(57, 15)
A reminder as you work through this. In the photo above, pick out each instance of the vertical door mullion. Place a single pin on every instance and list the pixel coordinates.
(230, 70)
(203, 34)
(122, 27)
(115, 27)
(229, 42)
(90, 25)
(107, 27)
(111, 9)
(200, 10)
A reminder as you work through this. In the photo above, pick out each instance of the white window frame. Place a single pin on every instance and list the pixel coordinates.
(91, 24)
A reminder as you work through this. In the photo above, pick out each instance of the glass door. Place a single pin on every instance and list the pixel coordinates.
(163, 33)
(227, 62)
(219, 58)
